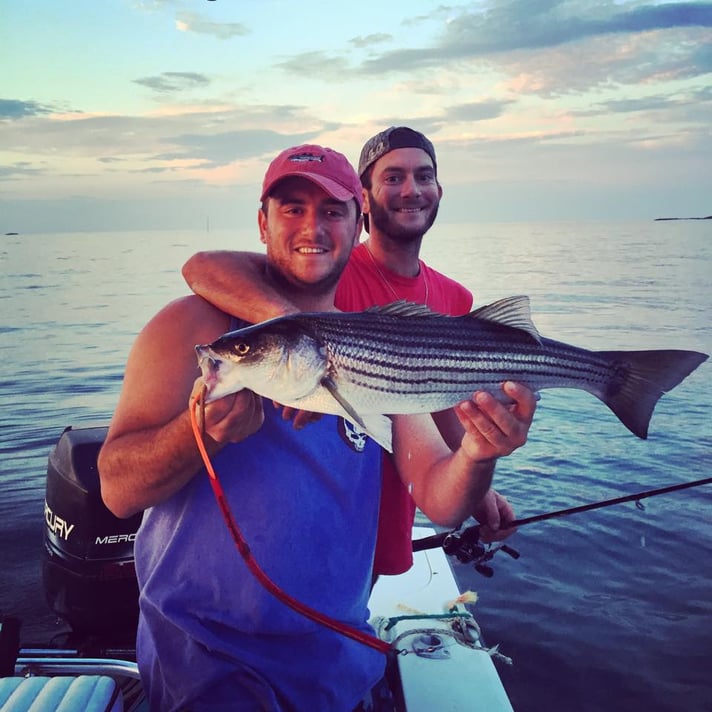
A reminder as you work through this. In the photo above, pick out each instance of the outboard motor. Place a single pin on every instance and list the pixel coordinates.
(88, 565)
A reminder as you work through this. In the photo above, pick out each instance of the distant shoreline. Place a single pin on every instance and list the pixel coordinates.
(709, 217)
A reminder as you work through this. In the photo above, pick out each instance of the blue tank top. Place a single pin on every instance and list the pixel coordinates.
(210, 637)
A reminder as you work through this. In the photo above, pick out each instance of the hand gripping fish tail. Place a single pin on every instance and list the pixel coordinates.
(643, 378)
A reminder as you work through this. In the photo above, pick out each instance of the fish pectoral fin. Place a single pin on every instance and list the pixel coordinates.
(377, 427)
(330, 386)
(513, 312)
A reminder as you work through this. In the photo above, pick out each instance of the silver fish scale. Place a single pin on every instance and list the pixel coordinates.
(449, 357)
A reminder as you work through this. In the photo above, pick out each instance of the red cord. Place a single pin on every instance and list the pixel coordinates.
(244, 549)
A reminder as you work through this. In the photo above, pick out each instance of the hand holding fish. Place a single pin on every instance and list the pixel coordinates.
(299, 418)
(232, 418)
(493, 429)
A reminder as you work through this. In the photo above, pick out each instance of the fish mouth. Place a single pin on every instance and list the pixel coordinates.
(209, 365)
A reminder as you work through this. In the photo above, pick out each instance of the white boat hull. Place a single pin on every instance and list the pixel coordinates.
(443, 665)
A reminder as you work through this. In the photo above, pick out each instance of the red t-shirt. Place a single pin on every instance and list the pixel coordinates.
(362, 286)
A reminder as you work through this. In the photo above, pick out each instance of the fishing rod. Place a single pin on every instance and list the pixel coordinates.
(465, 545)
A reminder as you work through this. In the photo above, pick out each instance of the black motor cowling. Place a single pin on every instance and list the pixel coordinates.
(88, 565)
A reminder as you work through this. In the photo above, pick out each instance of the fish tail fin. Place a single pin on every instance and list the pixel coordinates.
(644, 376)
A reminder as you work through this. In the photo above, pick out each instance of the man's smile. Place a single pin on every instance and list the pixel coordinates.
(311, 250)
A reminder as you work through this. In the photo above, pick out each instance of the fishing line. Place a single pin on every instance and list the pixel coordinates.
(360, 636)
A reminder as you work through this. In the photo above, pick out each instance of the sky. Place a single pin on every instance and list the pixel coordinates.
(163, 114)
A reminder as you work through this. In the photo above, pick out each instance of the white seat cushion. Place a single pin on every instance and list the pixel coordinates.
(88, 693)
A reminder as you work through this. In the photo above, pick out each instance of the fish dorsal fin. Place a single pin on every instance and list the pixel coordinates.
(403, 308)
(513, 312)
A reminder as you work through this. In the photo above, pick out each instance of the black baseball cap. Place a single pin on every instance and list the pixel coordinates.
(390, 139)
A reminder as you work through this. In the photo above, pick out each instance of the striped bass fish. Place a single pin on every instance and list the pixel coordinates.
(404, 358)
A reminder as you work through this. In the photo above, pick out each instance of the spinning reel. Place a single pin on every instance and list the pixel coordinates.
(466, 547)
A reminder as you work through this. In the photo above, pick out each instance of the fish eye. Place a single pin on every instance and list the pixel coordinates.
(241, 349)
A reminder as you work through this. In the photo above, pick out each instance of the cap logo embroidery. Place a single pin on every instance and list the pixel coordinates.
(377, 151)
(306, 158)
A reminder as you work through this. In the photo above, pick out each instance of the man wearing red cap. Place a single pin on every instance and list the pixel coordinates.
(210, 638)
(398, 172)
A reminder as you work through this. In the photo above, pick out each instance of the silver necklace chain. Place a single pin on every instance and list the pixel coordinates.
(385, 280)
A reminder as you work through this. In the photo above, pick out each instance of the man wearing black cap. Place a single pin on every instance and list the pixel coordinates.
(398, 171)
(401, 195)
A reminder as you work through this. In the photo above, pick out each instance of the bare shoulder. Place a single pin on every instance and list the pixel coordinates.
(162, 365)
(189, 316)
(166, 345)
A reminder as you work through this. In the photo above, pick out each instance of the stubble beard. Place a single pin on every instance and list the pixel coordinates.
(381, 219)
(292, 284)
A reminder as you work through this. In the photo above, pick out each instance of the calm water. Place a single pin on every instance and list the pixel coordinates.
(607, 610)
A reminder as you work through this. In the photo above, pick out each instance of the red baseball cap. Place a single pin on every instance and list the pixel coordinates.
(329, 169)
